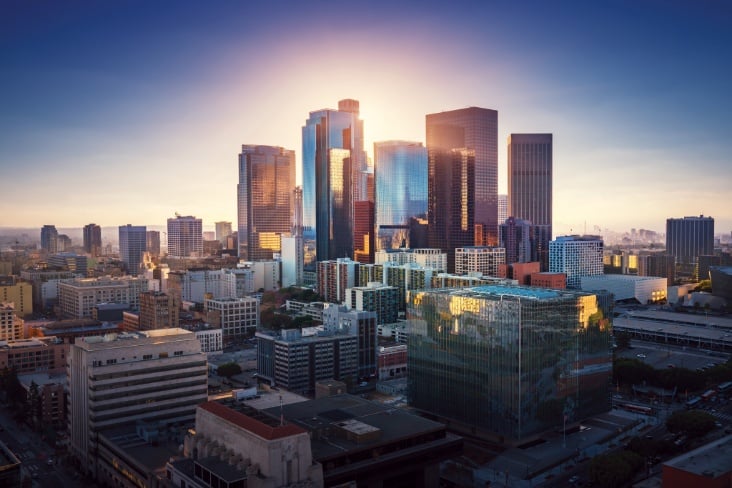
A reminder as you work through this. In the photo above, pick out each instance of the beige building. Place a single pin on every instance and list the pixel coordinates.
(11, 326)
(117, 379)
(479, 259)
(17, 292)
(77, 298)
(237, 318)
(157, 311)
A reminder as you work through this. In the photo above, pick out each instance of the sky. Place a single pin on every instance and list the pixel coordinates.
(130, 111)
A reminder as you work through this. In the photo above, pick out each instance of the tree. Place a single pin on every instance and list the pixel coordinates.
(227, 370)
(693, 423)
(622, 339)
(614, 469)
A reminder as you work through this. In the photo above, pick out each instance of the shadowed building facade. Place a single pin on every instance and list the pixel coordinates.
(530, 178)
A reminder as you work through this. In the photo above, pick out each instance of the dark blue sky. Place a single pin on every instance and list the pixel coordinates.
(112, 111)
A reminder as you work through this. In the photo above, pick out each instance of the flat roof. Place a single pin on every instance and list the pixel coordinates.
(250, 419)
(710, 460)
(676, 331)
(322, 413)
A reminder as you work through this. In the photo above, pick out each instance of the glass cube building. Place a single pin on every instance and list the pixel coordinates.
(508, 361)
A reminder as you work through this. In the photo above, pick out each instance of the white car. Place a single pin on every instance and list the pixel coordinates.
(641, 355)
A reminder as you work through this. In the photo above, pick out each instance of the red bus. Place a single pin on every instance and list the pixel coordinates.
(637, 408)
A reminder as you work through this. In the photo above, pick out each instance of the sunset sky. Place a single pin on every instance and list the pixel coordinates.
(119, 112)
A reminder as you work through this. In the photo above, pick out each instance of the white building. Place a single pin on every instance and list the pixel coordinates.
(576, 256)
(479, 259)
(238, 318)
(211, 340)
(78, 297)
(156, 375)
(645, 289)
(292, 257)
(426, 258)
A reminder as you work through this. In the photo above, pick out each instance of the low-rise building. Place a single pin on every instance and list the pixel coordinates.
(238, 318)
(644, 289)
(78, 297)
(708, 466)
(42, 354)
(11, 326)
(556, 281)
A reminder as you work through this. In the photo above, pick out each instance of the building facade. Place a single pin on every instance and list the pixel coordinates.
(223, 230)
(49, 239)
(525, 242)
(132, 245)
(17, 292)
(155, 376)
(238, 318)
(479, 259)
(158, 310)
(185, 237)
(78, 297)
(686, 240)
(400, 174)
(11, 326)
(334, 175)
(265, 200)
(576, 256)
(476, 130)
(92, 236)
(506, 361)
(375, 297)
(530, 178)
(152, 242)
(335, 277)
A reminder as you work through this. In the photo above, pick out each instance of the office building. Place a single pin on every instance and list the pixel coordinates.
(238, 318)
(115, 380)
(158, 311)
(427, 258)
(294, 361)
(686, 240)
(17, 292)
(360, 323)
(69, 261)
(152, 238)
(185, 237)
(334, 277)
(364, 241)
(334, 175)
(402, 277)
(557, 281)
(375, 297)
(502, 208)
(40, 354)
(507, 362)
(658, 264)
(525, 242)
(47, 394)
(78, 297)
(11, 326)
(132, 245)
(576, 256)
(479, 259)
(474, 130)
(92, 236)
(451, 206)
(530, 178)
(49, 239)
(400, 175)
(223, 230)
(521, 272)
(264, 200)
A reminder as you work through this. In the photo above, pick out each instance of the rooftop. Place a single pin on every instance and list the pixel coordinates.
(515, 291)
(252, 420)
(711, 460)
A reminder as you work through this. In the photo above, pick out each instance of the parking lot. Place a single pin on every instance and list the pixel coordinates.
(662, 356)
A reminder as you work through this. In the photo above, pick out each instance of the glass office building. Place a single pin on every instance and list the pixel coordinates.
(507, 360)
(530, 178)
(332, 154)
(400, 172)
(265, 200)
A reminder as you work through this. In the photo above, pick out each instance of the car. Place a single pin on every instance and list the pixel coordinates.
(574, 479)
(641, 355)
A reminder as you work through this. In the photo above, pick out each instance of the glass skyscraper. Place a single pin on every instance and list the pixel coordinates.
(451, 178)
(475, 129)
(400, 173)
(687, 239)
(49, 239)
(506, 360)
(265, 200)
(93, 240)
(132, 245)
(334, 175)
(530, 178)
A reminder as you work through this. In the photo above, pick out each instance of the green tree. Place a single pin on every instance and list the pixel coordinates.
(227, 370)
(614, 469)
(622, 339)
(693, 423)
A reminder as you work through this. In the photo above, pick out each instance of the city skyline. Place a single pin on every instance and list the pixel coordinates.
(103, 126)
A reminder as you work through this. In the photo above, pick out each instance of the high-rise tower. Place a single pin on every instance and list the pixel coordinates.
(49, 239)
(400, 173)
(265, 200)
(93, 239)
(185, 237)
(530, 178)
(334, 175)
(475, 129)
(687, 239)
(132, 244)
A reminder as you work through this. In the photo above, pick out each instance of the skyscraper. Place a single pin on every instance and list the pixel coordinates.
(502, 208)
(265, 200)
(363, 231)
(400, 173)
(332, 153)
(185, 237)
(475, 129)
(153, 242)
(530, 177)
(93, 239)
(451, 201)
(132, 244)
(49, 239)
(525, 242)
(687, 239)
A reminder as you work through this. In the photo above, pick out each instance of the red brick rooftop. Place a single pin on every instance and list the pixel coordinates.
(251, 424)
